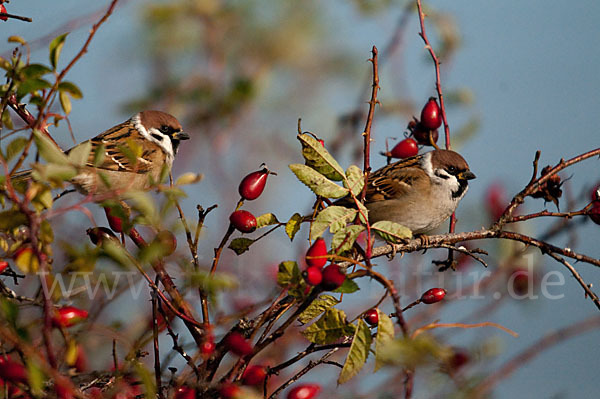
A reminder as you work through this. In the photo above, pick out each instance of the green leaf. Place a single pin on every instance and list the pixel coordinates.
(4, 64)
(293, 225)
(347, 287)
(146, 379)
(10, 311)
(344, 239)
(212, 283)
(318, 158)
(65, 102)
(188, 178)
(35, 377)
(35, 70)
(71, 88)
(56, 46)
(116, 252)
(240, 245)
(16, 39)
(318, 306)
(391, 232)
(80, 154)
(99, 154)
(43, 200)
(15, 147)
(32, 85)
(358, 353)
(385, 335)
(144, 204)
(7, 120)
(354, 181)
(266, 220)
(329, 328)
(53, 173)
(319, 184)
(48, 150)
(333, 217)
(288, 274)
(11, 219)
(412, 353)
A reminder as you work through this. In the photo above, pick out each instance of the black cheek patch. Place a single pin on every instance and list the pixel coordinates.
(157, 136)
(441, 176)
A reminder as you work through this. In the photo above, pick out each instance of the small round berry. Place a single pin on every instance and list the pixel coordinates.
(317, 253)
(11, 370)
(372, 317)
(458, 359)
(243, 220)
(237, 344)
(68, 316)
(431, 117)
(185, 393)
(304, 391)
(313, 275)
(230, 391)
(333, 277)
(3, 265)
(207, 348)
(254, 375)
(3, 10)
(252, 186)
(520, 279)
(405, 149)
(433, 295)
(596, 194)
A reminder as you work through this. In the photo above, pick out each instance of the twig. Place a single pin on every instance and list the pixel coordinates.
(13, 16)
(157, 373)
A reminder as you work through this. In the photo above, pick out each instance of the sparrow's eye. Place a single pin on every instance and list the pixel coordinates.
(165, 129)
(451, 169)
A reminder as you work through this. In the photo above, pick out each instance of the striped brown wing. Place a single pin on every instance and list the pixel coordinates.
(395, 180)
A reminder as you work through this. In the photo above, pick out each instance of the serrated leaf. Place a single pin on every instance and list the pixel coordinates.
(391, 232)
(318, 183)
(358, 353)
(188, 178)
(318, 306)
(48, 150)
(52, 172)
(79, 154)
(288, 274)
(354, 180)
(56, 46)
(266, 219)
(385, 335)
(329, 328)
(71, 88)
(319, 159)
(293, 225)
(344, 239)
(347, 287)
(35, 70)
(32, 85)
(15, 147)
(240, 245)
(333, 218)
(65, 102)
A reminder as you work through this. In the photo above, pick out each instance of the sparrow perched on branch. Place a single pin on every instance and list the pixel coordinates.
(419, 192)
(129, 156)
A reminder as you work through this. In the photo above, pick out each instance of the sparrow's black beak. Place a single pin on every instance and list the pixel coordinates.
(466, 175)
(180, 136)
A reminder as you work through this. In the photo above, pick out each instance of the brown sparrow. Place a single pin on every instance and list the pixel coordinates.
(135, 153)
(419, 192)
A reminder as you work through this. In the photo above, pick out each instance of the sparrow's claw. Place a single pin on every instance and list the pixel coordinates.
(424, 240)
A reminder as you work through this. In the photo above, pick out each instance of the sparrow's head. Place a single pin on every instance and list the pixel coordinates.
(448, 168)
(162, 128)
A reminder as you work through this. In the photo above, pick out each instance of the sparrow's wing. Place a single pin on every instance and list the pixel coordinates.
(395, 180)
(124, 149)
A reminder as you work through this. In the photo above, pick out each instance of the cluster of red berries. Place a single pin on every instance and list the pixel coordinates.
(330, 277)
(251, 187)
(423, 131)
(595, 211)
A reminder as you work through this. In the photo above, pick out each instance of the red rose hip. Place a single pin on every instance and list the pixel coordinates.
(316, 256)
(252, 186)
(372, 317)
(405, 149)
(313, 275)
(431, 117)
(595, 213)
(433, 295)
(304, 391)
(333, 277)
(243, 220)
(3, 9)
(254, 375)
(237, 344)
(68, 316)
